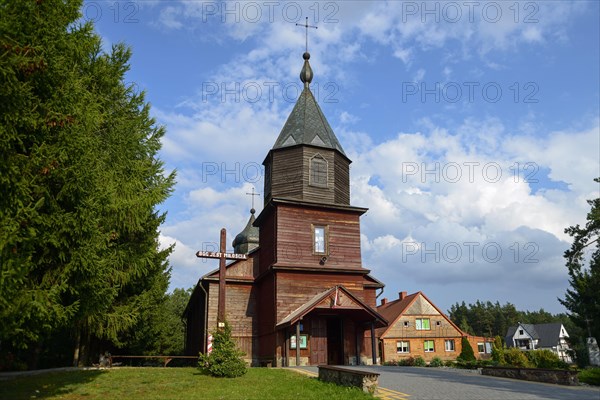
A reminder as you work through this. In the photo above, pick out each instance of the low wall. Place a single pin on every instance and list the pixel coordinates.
(365, 380)
(558, 376)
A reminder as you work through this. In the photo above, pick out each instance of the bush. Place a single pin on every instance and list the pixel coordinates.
(225, 360)
(436, 362)
(466, 352)
(544, 358)
(498, 351)
(419, 361)
(515, 358)
(591, 376)
(407, 362)
(450, 363)
(390, 363)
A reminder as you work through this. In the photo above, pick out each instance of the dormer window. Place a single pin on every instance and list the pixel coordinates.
(318, 171)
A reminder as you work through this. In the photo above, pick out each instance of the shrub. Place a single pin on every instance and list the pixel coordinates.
(391, 363)
(407, 362)
(450, 363)
(498, 351)
(436, 362)
(466, 364)
(466, 352)
(225, 359)
(419, 361)
(515, 358)
(543, 358)
(591, 376)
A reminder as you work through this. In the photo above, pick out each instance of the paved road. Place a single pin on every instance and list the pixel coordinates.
(413, 383)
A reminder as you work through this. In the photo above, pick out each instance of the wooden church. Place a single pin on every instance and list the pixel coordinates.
(300, 296)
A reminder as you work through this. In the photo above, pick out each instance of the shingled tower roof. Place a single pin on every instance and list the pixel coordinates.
(307, 124)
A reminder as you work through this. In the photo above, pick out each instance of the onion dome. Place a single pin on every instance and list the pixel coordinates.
(247, 239)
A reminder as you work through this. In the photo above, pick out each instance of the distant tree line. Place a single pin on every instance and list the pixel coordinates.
(493, 319)
(81, 267)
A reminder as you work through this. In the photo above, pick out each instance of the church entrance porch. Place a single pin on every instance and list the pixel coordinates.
(333, 328)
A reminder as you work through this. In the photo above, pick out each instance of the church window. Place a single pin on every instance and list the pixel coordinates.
(320, 239)
(318, 171)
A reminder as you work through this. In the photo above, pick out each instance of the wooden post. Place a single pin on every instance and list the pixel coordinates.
(357, 344)
(373, 344)
(298, 344)
(222, 272)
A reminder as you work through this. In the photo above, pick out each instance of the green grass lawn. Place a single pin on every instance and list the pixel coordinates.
(172, 383)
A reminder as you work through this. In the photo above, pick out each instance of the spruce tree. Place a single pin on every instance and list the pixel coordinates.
(80, 182)
(466, 352)
(225, 360)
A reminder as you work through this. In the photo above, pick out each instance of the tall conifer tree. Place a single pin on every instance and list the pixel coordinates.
(80, 181)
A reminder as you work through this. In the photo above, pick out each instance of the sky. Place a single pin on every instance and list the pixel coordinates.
(473, 127)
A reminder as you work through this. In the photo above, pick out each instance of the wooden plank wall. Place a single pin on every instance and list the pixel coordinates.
(287, 173)
(295, 237)
(341, 180)
(241, 313)
(317, 193)
(295, 289)
(194, 335)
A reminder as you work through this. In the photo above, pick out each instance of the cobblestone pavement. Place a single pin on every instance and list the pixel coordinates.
(412, 383)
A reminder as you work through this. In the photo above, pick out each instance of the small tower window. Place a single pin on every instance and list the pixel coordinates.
(318, 171)
(320, 239)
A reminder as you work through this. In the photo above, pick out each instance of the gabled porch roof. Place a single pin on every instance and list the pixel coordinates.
(335, 298)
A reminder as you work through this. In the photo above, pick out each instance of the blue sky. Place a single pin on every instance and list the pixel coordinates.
(473, 127)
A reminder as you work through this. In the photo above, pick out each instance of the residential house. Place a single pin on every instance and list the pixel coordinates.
(551, 336)
(418, 328)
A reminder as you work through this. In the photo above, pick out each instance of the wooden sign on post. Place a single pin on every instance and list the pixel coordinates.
(222, 255)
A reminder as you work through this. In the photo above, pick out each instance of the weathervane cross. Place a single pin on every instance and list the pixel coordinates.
(306, 25)
(253, 194)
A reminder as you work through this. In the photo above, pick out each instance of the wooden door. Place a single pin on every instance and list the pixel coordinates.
(318, 341)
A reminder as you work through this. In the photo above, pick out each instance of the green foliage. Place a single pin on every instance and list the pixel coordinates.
(498, 351)
(406, 362)
(436, 362)
(174, 384)
(591, 376)
(466, 352)
(419, 361)
(80, 182)
(515, 358)
(544, 358)
(492, 319)
(225, 360)
(582, 299)
(160, 330)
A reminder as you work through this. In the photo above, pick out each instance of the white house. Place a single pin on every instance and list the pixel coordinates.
(540, 336)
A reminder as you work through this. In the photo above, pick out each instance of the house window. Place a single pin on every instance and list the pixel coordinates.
(320, 239)
(520, 331)
(406, 324)
(318, 171)
(449, 344)
(402, 347)
(488, 347)
(422, 324)
(428, 346)
(480, 348)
